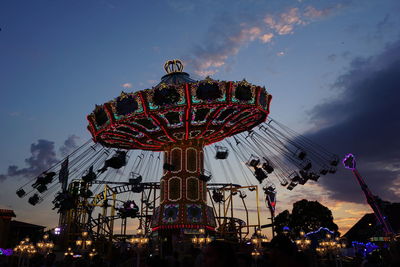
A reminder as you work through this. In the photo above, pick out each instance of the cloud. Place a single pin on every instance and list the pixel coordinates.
(266, 38)
(382, 29)
(226, 36)
(347, 219)
(383, 23)
(345, 223)
(15, 114)
(285, 22)
(312, 12)
(358, 213)
(363, 119)
(69, 145)
(332, 57)
(126, 85)
(43, 157)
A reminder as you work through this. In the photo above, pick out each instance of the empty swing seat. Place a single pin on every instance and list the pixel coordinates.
(41, 188)
(323, 171)
(300, 154)
(260, 175)
(33, 200)
(291, 185)
(313, 176)
(21, 192)
(253, 161)
(222, 152)
(267, 167)
(204, 178)
(135, 179)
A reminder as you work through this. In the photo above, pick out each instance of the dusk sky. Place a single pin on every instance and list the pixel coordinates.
(332, 66)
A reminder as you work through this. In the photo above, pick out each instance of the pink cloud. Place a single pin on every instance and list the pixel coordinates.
(312, 12)
(127, 85)
(205, 73)
(266, 38)
(285, 22)
(213, 55)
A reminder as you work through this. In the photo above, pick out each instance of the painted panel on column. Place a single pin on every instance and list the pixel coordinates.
(174, 189)
(194, 213)
(171, 213)
(191, 160)
(176, 159)
(192, 190)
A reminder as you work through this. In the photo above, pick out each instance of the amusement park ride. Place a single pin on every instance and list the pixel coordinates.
(349, 162)
(170, 146)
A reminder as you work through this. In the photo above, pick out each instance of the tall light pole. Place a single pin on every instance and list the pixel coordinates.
(138, 242)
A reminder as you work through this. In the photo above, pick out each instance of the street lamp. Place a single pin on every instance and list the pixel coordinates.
(25, 250)
(258, 232)
(303, 242)
(92, 253)
(85, 234)
(330, 245)
(201, 240)
(45, 246)
(257, 239)
(139, 240)
(69, 252)
(84, 243)
(255, 253)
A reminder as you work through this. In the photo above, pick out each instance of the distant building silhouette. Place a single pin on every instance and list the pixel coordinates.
(12, 232)
(368, 227)
(5, 218)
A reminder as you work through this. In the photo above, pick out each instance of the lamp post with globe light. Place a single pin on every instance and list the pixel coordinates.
(84, 243)
(25, 250)
(45, 246)
(257, 239)
(138, 243)
(69, 252)
(201, 239)
(303, 242)
(330, 248)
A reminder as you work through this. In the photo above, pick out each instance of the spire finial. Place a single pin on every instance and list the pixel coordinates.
(173, 66)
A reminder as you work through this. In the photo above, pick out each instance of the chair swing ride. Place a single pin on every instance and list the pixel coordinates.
(189, 148)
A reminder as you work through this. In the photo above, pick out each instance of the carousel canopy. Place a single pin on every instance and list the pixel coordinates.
(179, 109)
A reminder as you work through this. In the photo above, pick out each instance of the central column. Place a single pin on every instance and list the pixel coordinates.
(183, 196)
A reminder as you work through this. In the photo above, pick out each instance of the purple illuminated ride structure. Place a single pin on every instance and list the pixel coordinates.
(349, 162)
(175, 157)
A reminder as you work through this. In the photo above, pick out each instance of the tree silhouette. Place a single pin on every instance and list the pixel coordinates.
(306, 216)
(282, 220)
